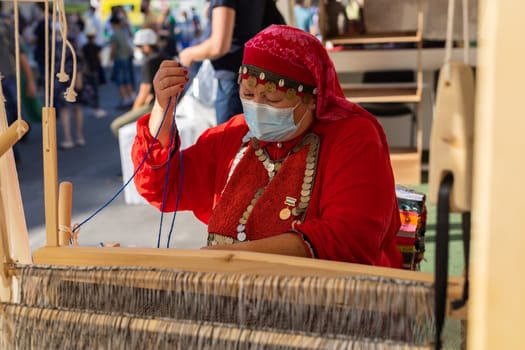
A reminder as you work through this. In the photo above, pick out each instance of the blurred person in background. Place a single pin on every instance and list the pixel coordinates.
(196, 20)
(8, 71)
(303, 16)
(63, 89)
(167, 39)
(31, 104)
(40, 43)
(92, 68)
(93, 23)
(196, 66)
(150, 20)
(184, 31)
(122, 65)
(336, 18)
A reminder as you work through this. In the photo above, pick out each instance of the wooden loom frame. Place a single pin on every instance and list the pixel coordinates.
(58, 214)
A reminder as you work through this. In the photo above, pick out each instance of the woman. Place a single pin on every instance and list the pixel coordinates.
(302, 172)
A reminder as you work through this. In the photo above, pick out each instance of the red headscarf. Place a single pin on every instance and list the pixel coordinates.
(298, 55)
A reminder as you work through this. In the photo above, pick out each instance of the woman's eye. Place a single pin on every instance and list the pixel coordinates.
(272, 99)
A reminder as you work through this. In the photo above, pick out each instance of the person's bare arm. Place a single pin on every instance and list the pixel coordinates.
(143, 96)
(284, 244)
(219, 42)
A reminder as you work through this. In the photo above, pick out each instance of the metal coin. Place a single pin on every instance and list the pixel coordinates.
(290, 93)
(285, 214)
(241, 236)
(252, 81)
(269, 87)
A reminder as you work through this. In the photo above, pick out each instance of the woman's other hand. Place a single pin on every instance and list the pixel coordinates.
(169, 81)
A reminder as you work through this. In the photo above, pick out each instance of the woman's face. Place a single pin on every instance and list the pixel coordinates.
(303, 113)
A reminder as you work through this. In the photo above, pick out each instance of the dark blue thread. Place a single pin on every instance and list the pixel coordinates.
(119, 191)
(181, 179)
(166, 181)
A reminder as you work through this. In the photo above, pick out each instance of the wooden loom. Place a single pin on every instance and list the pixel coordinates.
(172, 298)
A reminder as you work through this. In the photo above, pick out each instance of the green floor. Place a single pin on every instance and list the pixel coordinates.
(456, 261)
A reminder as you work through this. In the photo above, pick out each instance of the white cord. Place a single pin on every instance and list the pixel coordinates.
(70, 94)
(51, 64)
(448, 42)
(17, 63)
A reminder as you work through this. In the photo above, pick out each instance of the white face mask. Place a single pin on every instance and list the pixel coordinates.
(268, 123)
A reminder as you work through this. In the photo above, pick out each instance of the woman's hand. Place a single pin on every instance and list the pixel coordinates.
(169, 81)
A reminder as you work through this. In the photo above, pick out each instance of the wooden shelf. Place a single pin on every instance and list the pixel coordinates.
(376, 38)
(382, 93)
(404, 152)
(406, 163)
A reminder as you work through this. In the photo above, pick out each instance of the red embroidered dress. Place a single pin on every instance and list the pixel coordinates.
(347, 207)
(352, 214)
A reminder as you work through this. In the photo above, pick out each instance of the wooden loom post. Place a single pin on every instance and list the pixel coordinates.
(7, 139)
(5, 256)
(49, 149)
(49, 140)
(64, 212)
(14, 133)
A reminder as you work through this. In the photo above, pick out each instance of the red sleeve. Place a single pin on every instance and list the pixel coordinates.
(353, 215)
(204, 169)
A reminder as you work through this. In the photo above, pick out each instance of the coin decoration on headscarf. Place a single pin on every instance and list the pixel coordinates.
(270, 87)
(252, 81)
(273, 81)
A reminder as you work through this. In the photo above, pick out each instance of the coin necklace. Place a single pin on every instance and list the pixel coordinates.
(309, 175)
(272, 167)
